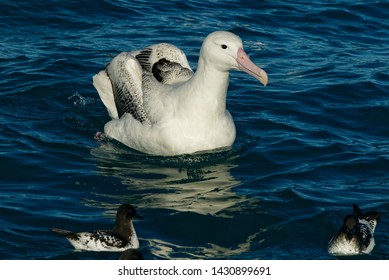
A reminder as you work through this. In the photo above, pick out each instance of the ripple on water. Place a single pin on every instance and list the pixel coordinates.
(310, 144)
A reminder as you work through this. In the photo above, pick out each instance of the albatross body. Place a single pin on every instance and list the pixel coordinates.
(159, 106)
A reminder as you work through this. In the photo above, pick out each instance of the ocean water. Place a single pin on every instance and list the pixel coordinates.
(309, 145)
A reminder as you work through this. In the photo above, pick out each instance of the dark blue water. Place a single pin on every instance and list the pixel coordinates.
(310, 144)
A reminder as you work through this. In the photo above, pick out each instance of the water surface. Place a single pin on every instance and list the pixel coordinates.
(310, 144)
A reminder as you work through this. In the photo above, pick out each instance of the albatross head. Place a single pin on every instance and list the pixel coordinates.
(225, 51)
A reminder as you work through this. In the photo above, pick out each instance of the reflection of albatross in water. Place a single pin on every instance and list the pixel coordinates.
(197, 183)
(180, 190)
(159, 106)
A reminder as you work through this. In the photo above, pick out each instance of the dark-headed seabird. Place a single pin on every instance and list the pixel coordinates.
(356, 235)
(122, 237)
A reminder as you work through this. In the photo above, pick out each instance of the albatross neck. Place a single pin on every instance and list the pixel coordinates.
(211, 86)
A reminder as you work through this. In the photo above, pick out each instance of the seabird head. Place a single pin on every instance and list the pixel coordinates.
(350, 223)
(224, 50)
(125, 213)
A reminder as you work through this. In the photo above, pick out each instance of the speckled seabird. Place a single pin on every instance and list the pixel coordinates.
(356, 235)
(122, 237)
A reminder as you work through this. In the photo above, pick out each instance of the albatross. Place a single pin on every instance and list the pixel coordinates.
(158, 105)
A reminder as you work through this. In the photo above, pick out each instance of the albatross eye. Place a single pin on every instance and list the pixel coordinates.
(224, 47)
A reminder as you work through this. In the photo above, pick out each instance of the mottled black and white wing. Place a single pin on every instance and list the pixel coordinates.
(166, 62)
(168, 72)
(125, 75)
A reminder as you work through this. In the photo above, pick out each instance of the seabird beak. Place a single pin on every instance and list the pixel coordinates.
(246, 65)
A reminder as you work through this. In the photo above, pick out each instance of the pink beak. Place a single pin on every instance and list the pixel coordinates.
(246, 65)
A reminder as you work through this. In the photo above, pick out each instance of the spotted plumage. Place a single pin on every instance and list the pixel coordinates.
(167, 72)
(122, 237)
(356, 235)
(126, 92)
(125, 73)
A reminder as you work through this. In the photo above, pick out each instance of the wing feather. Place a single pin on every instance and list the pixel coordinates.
(121, 86)
(125, 74)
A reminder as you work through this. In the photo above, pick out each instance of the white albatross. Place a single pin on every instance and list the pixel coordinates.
(159, 106)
